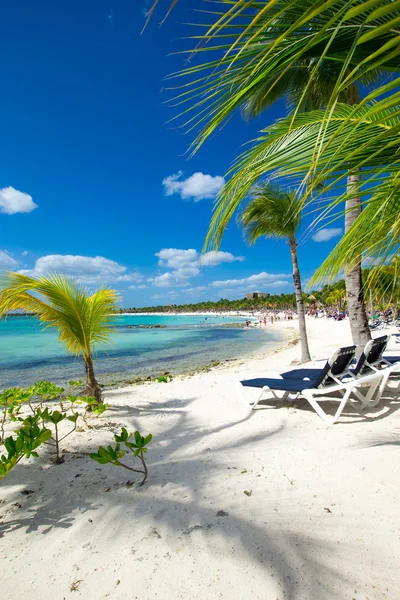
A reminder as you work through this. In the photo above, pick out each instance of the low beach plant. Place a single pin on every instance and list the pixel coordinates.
(112, 454)
(15, 405)
(54, 418)
(11, 402)
(24, 444)
(92, 406)
(43, 391)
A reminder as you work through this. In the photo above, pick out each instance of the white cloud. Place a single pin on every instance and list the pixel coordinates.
(185, 264)
(25, 253)
(196, 289)
(198, 186)
(324, 235)
(176, 278)
(13, 201)
(272, 279)
(7, 262)
(174, 258)
(213, 258)
(86, 269)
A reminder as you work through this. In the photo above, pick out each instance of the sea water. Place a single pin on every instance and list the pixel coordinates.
(29, 353)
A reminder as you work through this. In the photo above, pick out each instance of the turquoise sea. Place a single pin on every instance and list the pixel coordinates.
(28, 353)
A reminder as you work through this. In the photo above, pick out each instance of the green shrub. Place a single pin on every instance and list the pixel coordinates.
(13, 400)
(28, 438)
(113, 454)
(54, 418)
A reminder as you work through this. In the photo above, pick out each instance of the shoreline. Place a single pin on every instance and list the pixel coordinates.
(140, 371)
(289, 339)
(187, 314)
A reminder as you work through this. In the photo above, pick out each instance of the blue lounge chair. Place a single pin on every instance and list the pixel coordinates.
(326, 381)
(371, 360)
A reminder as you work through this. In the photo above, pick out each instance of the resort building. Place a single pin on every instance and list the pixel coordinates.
(253, 295)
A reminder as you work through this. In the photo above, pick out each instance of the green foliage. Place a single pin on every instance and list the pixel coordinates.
(75, 383)
(272, 212)
(286, 301)
(30, 435)
(108, 455)
(162, 379)
(28, 438)
(82, 319)
(11, 401)
(140, 443)
(319, 55)
(138, 448)
(46, 390)
(55, 417)
(94, 406)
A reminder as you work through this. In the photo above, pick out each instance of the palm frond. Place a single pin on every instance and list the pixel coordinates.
(295, 147)
(272, 212)
(375, 234)
(267, 40)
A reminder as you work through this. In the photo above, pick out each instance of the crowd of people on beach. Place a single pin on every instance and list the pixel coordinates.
(384, 317)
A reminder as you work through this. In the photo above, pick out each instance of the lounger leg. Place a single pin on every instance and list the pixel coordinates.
(381, 385)
(308, 394)
(252, 405)
(243, 399)
(267, 389)
(258, 400)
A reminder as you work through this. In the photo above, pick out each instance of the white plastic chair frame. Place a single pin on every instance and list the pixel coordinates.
(345, 387)
(385, 373)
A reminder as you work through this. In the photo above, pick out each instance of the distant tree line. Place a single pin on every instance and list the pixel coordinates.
(381, 287)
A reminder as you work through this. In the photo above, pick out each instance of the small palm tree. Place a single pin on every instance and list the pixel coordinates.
(82, 319)
(275, 213)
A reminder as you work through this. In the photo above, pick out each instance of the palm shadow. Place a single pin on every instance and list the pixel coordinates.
(185, 456)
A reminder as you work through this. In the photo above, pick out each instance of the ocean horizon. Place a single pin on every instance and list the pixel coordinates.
(30, 353)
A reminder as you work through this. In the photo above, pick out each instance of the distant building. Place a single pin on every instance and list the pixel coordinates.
(257, 295)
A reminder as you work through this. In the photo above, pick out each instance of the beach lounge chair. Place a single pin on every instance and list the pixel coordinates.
(374, 361)
(335, 368)
(371, 360)
(328, 381)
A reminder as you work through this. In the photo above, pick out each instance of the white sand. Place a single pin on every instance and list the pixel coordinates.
(322, 521)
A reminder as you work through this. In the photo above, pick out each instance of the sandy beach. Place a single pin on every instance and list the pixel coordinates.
(270, 504)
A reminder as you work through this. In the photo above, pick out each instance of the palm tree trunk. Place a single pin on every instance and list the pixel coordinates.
(371, 306)
(92, 387)
(353, 276)
(305, 352)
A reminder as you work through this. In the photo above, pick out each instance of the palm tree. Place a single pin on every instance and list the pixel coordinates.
(81, 319)
(309, 85)
(317, 52)
(276, 213)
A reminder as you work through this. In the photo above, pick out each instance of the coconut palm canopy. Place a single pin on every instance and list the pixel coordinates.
(81, 318)
(259, 47)
(275, 212)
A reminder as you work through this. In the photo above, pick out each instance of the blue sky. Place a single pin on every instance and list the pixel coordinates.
(95, 183)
